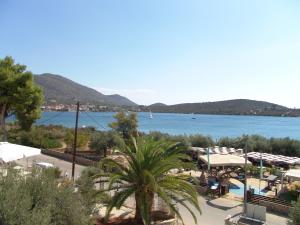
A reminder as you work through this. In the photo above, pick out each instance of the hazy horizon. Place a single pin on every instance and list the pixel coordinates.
(162, 51)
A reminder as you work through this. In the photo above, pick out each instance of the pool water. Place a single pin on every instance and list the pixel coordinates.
(238, 189)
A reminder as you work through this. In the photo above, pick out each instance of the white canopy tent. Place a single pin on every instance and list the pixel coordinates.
(294, 174)
(11, 152)
(223, 160)
(270, 158)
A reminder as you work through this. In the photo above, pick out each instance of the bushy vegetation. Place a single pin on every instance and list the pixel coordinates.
(82, 138)
(101, 141)
(39, 136)
(278, 146)
(294, 218)
(200, 140)
(86, 188)
(54, 172)
(291, 194)
(39, 199)
(54, 136)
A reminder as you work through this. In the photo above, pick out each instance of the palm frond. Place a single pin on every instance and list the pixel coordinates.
(147, 174)
(118, 200)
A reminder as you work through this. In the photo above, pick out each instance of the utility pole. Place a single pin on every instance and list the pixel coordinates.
(208, 159)
(245, 177)
(75, 142)
(260, 171)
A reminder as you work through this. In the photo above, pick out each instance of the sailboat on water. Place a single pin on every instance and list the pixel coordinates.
(150, 115)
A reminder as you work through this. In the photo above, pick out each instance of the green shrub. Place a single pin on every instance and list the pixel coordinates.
(201, 141)
(34, 139)
(82, 138)
(101, 141)
(38, 199)
(294, 217)
(54, 172)
(50, 143)
(87, 189)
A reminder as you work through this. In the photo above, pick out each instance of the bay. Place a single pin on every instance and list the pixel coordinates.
(216, 126)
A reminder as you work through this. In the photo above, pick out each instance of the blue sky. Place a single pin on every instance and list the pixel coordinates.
(169, 51)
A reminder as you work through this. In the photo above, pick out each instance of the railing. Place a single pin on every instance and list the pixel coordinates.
(272, 204)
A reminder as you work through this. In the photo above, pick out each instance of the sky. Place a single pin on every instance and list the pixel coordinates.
(169, 51)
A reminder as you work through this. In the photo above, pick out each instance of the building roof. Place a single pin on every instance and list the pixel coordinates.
(11, 152)
(216, 150)
(274, 158)
(223, 160)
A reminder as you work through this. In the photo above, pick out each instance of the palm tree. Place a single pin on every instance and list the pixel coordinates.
(147, 174)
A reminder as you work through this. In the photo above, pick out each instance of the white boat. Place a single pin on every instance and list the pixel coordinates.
(150, 115)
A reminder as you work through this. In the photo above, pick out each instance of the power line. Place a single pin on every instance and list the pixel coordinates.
(95, 121)
(51, 118)
(60, 113)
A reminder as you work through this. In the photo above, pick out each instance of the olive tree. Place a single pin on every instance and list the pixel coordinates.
(101, 141)
(125, 124)
(39, 199)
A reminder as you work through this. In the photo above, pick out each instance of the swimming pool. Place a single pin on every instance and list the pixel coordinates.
(238, 189)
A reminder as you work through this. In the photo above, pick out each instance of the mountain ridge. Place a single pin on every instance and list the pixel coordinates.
(227, 107)
(60, 89)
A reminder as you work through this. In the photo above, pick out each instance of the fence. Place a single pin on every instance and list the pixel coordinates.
(272, 204)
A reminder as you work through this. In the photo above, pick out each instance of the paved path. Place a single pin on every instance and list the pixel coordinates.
(215, 211)
(64, 166)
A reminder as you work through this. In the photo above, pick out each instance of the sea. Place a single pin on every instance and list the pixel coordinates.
(216, 126)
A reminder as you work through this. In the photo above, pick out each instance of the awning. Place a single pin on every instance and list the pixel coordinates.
(223, 160)
(293, 173)
(11, 152)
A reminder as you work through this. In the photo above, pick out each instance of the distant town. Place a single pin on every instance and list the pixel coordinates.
(87, 107)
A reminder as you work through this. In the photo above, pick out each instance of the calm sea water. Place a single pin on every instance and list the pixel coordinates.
(214, 125)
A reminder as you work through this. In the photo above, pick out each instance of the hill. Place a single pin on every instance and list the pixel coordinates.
(230, 107)
(155, 105)
(62, 90)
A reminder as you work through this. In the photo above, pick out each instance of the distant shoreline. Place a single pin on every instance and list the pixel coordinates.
(216, 114)
(216, 126)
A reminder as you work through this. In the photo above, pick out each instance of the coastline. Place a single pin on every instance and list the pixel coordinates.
(166, 112)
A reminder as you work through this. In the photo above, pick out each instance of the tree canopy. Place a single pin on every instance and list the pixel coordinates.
(125, 124)
(19, 95)
(82, 139)
(101, 141)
